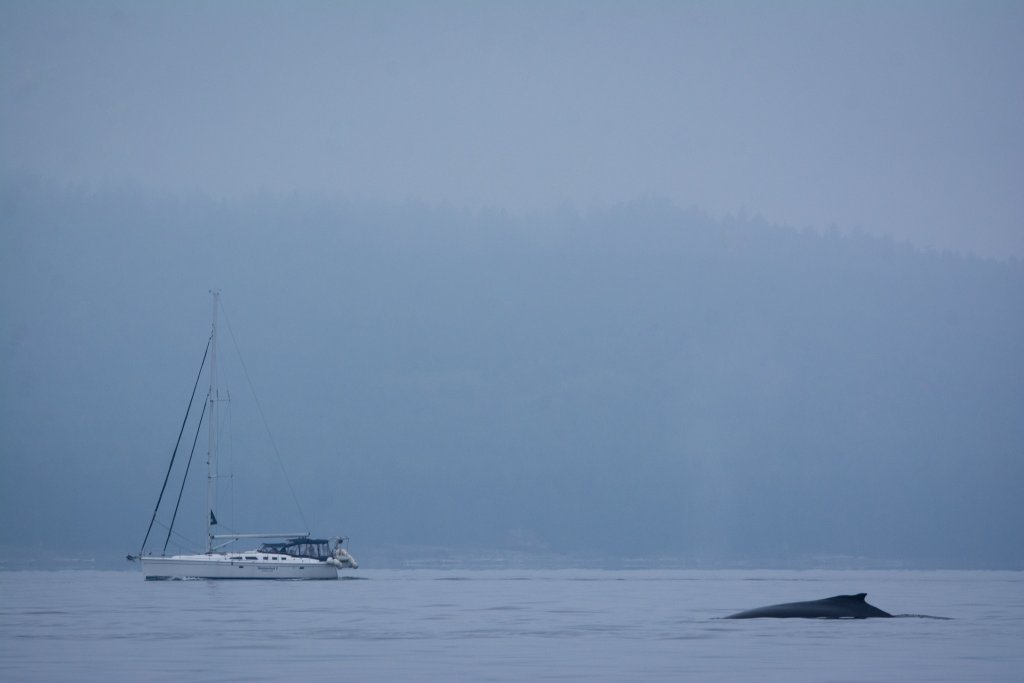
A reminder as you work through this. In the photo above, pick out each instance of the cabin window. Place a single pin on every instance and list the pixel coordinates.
(251, 557)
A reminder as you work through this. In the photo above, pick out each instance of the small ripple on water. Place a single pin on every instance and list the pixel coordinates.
(481, 625)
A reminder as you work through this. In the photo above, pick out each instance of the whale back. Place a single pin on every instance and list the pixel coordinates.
(837, 607)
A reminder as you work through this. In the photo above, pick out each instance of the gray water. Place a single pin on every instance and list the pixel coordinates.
(508, 625)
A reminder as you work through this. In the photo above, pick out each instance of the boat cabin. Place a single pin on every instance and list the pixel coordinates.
(315, 548)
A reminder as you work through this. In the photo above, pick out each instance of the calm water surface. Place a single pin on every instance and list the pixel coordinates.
(508, 625)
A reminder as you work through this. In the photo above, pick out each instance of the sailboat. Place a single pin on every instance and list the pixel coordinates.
(280, 555)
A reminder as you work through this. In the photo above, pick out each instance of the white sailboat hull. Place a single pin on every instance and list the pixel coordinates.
(236, 566)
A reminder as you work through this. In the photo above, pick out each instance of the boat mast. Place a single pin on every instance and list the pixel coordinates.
(211, 448)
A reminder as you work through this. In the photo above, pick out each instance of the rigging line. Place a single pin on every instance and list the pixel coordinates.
(263, 417)
(192, 545)
(177, 443)
(231, 464)
(185, 477)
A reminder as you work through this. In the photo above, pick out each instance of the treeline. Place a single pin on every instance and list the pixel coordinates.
(641, 380)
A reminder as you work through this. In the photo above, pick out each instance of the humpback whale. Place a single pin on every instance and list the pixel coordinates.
(836, 607)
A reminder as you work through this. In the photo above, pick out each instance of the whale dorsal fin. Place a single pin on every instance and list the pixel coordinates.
(859, 597)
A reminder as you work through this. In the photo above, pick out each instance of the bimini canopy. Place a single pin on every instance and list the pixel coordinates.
(316, 548)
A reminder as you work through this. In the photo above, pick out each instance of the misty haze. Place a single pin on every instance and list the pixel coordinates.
(456, 243)
(640, 382)
(583, 325)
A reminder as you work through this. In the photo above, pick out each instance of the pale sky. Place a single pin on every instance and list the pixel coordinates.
(902, 119)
